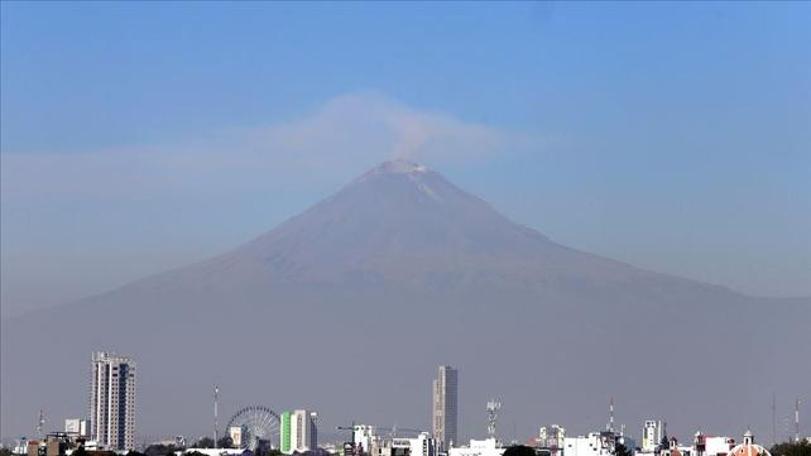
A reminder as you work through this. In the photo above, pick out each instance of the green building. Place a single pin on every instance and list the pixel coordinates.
(285, 430)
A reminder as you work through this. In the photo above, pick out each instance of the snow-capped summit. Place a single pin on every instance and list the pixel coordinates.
(397, 166)
(401, 166)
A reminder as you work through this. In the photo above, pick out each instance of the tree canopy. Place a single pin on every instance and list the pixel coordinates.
(225, 442)
(205, 442)
(622, 450)
(160, 450)
(519, 450)
(801, 448)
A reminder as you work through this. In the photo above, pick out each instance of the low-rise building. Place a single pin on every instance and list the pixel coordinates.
(487, 447)
(705, 445)
(551, 438)
(653, 432)
(593, 444)
(363, 437)
(673, 449)
(77, 427)
(216, 451)
(422, 445)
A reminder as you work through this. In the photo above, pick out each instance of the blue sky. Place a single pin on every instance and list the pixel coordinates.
(138, 137)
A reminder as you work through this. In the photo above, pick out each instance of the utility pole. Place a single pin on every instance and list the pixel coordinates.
(774, 419)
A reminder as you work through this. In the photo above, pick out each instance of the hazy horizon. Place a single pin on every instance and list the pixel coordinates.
(392, 247)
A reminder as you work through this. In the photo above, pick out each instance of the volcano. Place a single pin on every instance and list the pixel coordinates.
(348, 307)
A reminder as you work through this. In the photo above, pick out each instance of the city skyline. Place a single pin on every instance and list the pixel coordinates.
(597, 213)
(298, 431)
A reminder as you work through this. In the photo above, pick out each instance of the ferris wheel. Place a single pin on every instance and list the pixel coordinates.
(254, 425)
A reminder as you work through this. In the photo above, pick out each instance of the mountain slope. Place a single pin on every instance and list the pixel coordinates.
(401, 223)
(348, 307)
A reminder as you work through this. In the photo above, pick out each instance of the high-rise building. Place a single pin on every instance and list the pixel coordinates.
(284, 432)
(298, 431)
(445, 402)
(112, 401)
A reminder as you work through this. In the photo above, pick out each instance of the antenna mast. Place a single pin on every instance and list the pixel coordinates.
(493, 406)
(216, 424)
(610, 426)
(797, 420)
(40, 423)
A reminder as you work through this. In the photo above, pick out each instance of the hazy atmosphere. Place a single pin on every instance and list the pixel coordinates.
(563, 200)
(641, 132)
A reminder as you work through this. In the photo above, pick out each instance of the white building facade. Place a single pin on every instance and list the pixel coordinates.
(487, 447)
(364, 437)
(706, 445)
(422, 445)
(303, 431)
(593, 444)
(77, 427)
(553, 438)
(652, 434)
(112, 401)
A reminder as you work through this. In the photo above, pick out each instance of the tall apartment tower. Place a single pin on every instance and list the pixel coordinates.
(298, 431)
(445, 407)
(112, 401)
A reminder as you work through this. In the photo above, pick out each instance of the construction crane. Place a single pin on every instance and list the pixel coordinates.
(393, 430)
(373, 427)
(350, 428)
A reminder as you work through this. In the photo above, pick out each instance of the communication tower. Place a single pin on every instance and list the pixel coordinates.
(493, 406)
(41, 423)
